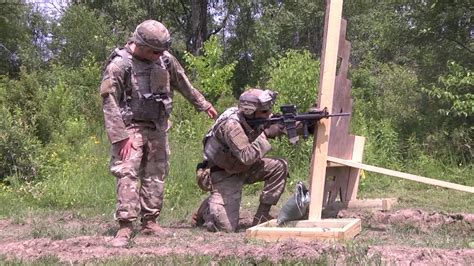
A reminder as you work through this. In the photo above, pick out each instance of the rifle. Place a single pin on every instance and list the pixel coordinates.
(290, 116)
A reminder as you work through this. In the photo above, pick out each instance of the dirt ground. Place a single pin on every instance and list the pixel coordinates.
(19, 241)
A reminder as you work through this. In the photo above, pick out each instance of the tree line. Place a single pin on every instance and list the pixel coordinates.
(411, 70)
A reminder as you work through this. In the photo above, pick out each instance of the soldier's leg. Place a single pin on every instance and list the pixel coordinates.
(224, 202)
(155, 170)
(274, 173)
(126, 173)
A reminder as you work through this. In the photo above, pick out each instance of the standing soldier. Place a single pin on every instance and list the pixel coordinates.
(137, 91)
(235, 154)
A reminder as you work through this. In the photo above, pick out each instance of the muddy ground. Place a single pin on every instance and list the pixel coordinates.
(30, 241)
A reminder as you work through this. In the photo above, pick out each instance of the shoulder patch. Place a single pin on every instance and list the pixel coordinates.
(236, 135)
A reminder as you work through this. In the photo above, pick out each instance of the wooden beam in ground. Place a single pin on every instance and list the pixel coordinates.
(389, 172)
(384, 204)
(332, 30)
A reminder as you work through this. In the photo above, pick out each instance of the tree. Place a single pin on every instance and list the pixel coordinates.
(72, 43)
(23, 32)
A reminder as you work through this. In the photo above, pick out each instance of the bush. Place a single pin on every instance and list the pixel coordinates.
(295, 76)
(20, 149)
(452, 107)
(210, 74)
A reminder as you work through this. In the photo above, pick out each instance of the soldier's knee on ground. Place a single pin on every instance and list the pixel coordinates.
(219, 218)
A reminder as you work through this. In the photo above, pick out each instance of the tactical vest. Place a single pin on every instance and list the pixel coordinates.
(147, 93)
(218, 152)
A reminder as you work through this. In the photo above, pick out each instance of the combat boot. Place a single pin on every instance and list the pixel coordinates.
(151, 227)
(262, 215)
(122, 238)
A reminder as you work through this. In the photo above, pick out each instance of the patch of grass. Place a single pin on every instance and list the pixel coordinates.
(413, 194)
(357, 254)
(211, 260)
(42, 261)
(456, 235)
(450, 236)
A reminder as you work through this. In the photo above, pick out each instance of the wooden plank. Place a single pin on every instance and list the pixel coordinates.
(352, 229)
(326, 92)
(327, 229)
(379, 204)
(354, 173)
(389, 172)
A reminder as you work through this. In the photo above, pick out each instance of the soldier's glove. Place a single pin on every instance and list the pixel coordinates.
(274, 131)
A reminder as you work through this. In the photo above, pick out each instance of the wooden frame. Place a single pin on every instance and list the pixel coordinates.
(327, 229)
(331, 87)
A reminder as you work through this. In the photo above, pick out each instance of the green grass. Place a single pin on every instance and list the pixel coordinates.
(43, 261)
(79, 186)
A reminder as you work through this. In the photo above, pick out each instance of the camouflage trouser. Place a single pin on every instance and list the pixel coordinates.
(224, 201)
(141, 178)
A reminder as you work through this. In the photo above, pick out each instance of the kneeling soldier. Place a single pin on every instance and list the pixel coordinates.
(235, 154)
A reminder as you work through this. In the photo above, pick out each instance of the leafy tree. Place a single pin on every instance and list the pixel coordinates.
(377, 33)
(23, 32)
(265, 30)
(190, 23)
(454, 93)
(452, 99)
(296, 83)
(72, 43)
(211, 75)
(441, 31)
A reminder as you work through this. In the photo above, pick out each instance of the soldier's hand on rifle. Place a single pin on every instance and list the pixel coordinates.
(312, 125)
(211, 112)
(313, 109)
(126, 148)
(275, 130)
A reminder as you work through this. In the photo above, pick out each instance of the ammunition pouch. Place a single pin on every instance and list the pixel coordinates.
(151, 107)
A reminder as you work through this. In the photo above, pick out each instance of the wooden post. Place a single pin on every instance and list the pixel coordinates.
(326, 93)
(330, 87)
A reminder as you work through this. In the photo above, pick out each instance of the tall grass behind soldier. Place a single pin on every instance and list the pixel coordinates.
(137, 89)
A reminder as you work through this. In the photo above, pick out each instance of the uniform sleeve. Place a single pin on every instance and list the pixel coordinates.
(111, 89)
(247, 152)
(180, 81)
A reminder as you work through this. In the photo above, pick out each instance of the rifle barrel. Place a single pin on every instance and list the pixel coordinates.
(278, 118)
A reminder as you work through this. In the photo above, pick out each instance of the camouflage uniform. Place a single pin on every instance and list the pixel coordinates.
(236, 156)
(125, 81)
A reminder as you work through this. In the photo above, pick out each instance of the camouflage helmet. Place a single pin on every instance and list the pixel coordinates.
(152, 34)
(256, 99)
